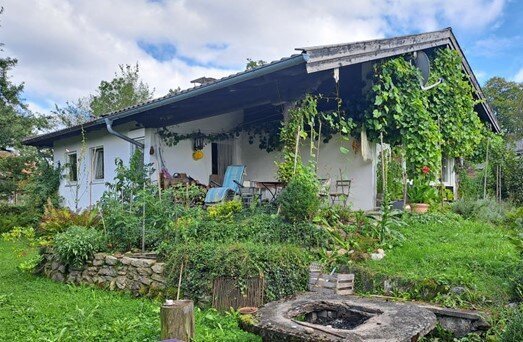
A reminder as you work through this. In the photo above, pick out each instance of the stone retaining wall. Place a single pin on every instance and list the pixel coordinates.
(140, 276)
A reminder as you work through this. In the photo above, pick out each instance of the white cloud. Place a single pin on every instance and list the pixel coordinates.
(519, 76)
(66, 47)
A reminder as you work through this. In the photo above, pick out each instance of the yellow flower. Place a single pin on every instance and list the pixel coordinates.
(197, 155)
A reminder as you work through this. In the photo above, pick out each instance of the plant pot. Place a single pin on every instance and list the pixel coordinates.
(419, 208)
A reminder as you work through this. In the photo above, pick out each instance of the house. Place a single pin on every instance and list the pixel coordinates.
(258, 96)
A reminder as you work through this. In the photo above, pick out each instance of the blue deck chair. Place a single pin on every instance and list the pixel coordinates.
(232, 181)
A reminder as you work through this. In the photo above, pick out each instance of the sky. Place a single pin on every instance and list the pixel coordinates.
(65, 48)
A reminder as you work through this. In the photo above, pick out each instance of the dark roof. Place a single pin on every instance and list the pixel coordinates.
(316, 59)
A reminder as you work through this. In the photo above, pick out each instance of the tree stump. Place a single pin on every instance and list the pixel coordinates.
(177, 320)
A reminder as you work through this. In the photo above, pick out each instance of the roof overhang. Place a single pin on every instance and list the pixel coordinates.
(314, 61)
(339, 55)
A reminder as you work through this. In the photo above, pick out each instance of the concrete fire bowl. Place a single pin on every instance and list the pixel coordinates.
(321, 317)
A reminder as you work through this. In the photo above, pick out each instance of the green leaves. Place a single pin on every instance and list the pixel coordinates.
(427, 123)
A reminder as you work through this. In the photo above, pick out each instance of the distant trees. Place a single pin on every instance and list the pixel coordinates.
(124, 90)
(506, 99)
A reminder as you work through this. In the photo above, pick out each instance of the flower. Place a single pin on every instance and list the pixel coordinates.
(425, 169)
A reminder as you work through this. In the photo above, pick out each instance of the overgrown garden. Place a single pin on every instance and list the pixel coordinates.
(461, 254)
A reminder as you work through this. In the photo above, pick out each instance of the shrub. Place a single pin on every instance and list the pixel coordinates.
(17, 216)
(514, 329)
(77, 244)
(254, 226)
(56, 220)
(487, 210)
(284, 267)
(224, 211)
(299, 200)
(124, 220)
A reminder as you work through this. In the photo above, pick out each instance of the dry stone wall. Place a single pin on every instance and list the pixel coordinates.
(124, 272)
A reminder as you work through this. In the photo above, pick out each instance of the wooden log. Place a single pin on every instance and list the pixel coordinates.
(177, 320)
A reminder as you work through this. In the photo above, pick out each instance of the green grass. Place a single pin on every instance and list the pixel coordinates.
(454, 252)
(33, 308)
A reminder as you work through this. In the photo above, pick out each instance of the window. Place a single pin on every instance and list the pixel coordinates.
(97, 163)
(447, 171)
(72, 167)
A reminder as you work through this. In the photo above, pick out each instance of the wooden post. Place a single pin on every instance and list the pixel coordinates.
(177, 320)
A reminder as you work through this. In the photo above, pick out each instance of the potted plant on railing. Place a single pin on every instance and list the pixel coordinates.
(421, 194)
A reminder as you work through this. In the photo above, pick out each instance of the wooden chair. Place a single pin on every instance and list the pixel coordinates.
(325, 187)
(342, 192)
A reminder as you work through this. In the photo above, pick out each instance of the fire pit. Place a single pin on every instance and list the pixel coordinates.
(322, 317)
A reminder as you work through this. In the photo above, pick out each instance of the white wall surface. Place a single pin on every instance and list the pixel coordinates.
(86, 191)
(178, 159)
(261, 167)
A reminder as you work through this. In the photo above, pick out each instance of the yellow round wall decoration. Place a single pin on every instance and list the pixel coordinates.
(197, 155)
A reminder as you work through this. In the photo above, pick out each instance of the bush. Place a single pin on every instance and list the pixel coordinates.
(17, 216)
(224, 211)
(56, 220)
(514, 329)
(254, 226)
(284, 267)
(299, 200)
(124, 220)
(77, 245)
(486, 210)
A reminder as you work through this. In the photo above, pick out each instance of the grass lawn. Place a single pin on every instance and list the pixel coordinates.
(37, 309)
(475, 255)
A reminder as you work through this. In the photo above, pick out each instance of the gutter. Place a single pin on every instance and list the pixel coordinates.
(109, 125)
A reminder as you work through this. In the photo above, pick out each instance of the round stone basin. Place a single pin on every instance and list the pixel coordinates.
(321, 317)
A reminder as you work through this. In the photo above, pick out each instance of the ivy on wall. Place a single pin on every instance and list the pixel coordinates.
(426, 123)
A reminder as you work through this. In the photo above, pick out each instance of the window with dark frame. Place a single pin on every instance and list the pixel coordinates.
(98, 163)
(72, 165)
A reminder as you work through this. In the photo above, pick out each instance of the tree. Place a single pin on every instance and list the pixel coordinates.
(506, 99)
(16, 121)
(124, 90)
(252, 64)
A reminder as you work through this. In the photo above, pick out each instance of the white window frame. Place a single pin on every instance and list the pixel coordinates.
(68, 165)
(94, 164)
(450, 181)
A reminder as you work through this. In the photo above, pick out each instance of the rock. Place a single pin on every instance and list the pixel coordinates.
(61, 268)
(57, 276)
(98, 262)
(126, 260)
(158, 278)
(111, 260)
(99, 256)
(159, 267)
(107, 271)
(145, 280)
(55, 265)
(144, 271)
(121, 282)
(142, 262)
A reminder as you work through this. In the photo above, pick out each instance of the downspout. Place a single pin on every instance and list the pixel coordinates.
(109, 124)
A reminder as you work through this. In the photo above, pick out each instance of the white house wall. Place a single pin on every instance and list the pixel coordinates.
(261, 166)
(178, 159)
(87, 192)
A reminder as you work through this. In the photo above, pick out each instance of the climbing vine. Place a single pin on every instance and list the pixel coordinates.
(305, 123)
(266, 133)
(426, 123)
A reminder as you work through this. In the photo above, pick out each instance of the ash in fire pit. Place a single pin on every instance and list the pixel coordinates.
(342, 318)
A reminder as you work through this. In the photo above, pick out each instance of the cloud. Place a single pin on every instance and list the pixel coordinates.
(519, 76)
(65, 48)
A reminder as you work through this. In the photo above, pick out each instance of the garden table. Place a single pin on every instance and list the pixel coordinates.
(273, 187)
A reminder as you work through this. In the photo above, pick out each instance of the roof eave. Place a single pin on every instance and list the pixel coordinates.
(45, 139)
